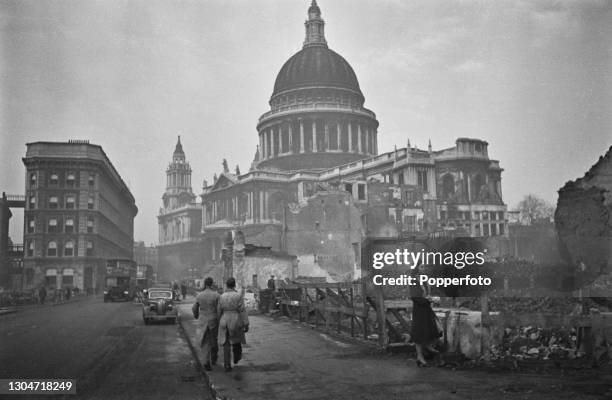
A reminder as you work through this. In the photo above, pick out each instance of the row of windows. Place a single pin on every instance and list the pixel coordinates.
(54, 202)
(53, 225)
(54, 249)
(478, 215)
(54, 180)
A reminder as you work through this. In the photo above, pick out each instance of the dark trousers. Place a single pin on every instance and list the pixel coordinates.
(228, 349)
(210, 348)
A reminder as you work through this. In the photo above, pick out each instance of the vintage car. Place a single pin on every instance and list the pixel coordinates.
(117, 293)
(159, 305)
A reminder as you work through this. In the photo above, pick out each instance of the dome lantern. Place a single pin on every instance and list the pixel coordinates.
(315, 27)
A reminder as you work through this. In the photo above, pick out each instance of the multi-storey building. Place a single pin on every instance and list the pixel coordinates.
(318, 185)
(79, 213)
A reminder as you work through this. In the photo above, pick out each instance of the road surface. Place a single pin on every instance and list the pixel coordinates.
(104, 346)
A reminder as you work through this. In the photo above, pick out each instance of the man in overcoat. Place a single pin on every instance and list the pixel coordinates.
(205, 308)
(233, 324)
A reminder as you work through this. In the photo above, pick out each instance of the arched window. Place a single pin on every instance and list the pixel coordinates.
(90, 203)
(30, 248)
(53, 202)
(70, 200)
(69, 249)
(52, 225)
(69, 225)
(54, 179)
(52, 249)
(70, 179)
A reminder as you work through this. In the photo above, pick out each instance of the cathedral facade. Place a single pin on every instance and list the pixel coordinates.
(318, 185)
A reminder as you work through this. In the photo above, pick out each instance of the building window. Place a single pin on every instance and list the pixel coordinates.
(90, 224)
(348, 188)
(477, 215)
(361, 192)
(448, 186)
(33, 180)
(32, 202)
(485, 230)
(31, 225)
(400, 178)
(52, 249)
(90, 203)
(53, 202)
(54, 179)
(70, 202)
(52, 225)
(501, 229)
(70, 179)
(90, 248)
(493, 229)
(69, 225)
(422, 180)
(68, 277)
(485, 215)
(90, 180)
(442, 214)
(30, 248)
(500, 215)
(69, 249)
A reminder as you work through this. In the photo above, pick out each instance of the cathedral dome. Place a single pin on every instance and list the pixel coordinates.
(316, 66)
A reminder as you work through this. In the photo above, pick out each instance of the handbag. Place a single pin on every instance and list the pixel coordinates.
(195, 309)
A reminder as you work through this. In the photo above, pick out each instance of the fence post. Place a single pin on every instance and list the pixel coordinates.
(383, 338)
(352, 314)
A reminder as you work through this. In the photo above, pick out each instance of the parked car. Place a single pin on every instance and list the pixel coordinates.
(116, 293)
(159, 305)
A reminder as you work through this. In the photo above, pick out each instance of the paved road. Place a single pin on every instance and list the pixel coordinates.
(287, 360)
(105, 346)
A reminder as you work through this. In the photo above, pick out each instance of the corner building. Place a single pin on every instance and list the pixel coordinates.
(79, 213)
(318, 186)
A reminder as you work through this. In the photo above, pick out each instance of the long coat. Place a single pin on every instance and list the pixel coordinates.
(424, 329)
(233, 318)
(208, 301)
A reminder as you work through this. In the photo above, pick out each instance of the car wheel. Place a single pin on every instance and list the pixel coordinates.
(146, 321)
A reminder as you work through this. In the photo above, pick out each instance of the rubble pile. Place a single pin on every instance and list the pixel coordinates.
(537, 343)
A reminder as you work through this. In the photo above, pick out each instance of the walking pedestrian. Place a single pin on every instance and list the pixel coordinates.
(424, 332)
(183, 290)
(205, 308)
(42, 294)
(233, 324)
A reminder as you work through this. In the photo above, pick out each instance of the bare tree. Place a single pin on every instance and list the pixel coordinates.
(533, 209)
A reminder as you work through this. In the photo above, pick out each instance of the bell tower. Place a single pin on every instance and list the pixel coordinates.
(178, 181)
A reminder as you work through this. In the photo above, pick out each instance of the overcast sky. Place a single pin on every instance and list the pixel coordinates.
(533, 78)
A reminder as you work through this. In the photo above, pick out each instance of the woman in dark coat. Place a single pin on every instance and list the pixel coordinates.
(424, 331)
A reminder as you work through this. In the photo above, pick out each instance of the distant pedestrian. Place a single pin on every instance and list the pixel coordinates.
(42, 294)
(233, 324)
(183, 290)
(68, 293)
(205, 308)
(271, 283)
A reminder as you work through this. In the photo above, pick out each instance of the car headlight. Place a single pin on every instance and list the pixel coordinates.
(125, 292)
(106, 292)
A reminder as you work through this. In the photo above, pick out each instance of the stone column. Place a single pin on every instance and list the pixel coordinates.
(274, 149)
(314, 136)
(261, 146)
(301, 136)
(290, 138)
(338, 132)
(359, 139)
(326, 146)
(264, 150)
(280, 139)
(350, 137)
(261, 205)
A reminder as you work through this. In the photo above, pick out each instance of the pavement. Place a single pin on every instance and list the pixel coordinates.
(288, 360)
